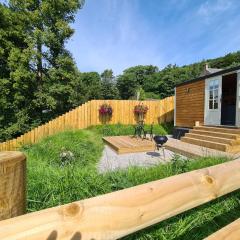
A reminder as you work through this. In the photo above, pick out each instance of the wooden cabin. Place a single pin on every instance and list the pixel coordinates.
(209, 102)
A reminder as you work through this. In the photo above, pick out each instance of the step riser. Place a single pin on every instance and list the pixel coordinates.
(215, 134)
(203, 143)
(233, 149)
(221, 130)
(211, 139)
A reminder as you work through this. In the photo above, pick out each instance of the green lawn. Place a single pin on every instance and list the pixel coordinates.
(51, 183)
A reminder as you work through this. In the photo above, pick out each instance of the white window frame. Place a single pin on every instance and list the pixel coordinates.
(215, 88)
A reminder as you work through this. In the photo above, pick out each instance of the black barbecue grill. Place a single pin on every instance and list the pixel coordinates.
(159, 142)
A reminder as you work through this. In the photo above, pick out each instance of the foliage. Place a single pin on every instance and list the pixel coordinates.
(140, 109)
(66, 157)
(39, 79)
(160, 84)
(108, 87)
(133, 78)
(50, 184)
(37, 72)
(119, 129)
(105, 109)
(91, 85)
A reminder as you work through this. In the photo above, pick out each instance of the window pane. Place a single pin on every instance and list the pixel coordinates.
(210, 104)
(210, 94)
(216, 84)
(215, 104)
(216, 93)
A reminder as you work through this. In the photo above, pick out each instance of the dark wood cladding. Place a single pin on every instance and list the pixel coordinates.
(190, 104)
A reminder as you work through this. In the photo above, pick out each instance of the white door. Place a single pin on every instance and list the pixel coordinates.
(213, 93)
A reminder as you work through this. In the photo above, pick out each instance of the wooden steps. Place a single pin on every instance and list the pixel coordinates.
(213, 138)
(218, 138)
(219, 129)
(194, 151)
(215, 134)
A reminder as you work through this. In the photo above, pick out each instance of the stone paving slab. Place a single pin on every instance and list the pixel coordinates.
(111, 161)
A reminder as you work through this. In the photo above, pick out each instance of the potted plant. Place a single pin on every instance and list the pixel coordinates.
(140, 110)
(105, 110)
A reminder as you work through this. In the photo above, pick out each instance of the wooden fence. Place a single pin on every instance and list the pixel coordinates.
(86, 115)
(120, 213)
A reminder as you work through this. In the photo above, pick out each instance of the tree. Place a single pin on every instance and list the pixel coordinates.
(12, 42)
(133, 79)
(91, 82)
(109, 88)
(127, 85)
(39, 73)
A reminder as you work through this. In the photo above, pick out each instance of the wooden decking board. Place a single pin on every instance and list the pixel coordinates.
(128, 144)
(219, 138)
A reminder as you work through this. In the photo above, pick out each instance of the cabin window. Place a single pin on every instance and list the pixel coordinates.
(213, 94)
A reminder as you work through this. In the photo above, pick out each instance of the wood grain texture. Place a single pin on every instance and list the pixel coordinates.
(120, 213)
(230, 232)
(128, 144)
(12, 184)
(86, 115)
(190, 105)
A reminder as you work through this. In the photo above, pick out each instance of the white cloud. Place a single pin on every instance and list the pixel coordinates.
(118, 34)
(213, 7)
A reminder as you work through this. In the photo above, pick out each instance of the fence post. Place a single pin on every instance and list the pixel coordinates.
(12, 184)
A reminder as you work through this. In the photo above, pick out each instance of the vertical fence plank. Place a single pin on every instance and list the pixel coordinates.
(94, 112)
(87, 115)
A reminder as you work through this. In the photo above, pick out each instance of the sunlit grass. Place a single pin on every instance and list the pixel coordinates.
(50, 183)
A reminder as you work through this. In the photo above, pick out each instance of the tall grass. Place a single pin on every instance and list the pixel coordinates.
(51, 183)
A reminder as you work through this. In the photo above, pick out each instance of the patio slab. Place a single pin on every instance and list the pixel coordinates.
(111, 161)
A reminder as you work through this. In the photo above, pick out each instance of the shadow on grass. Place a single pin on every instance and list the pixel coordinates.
(164, 230)
(212, 226)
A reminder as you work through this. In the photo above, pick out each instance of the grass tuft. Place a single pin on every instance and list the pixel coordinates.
(51, 183)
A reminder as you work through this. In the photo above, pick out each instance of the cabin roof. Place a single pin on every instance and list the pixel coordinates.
(215, 72)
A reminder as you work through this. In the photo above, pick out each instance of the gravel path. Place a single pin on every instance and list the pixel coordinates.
(111, 161)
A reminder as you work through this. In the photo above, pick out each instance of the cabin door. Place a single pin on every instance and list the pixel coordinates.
(213, 93)
(238, 101)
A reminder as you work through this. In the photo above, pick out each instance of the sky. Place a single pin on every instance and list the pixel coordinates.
(118, 34)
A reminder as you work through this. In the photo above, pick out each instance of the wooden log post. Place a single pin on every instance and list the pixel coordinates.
(114, 215)
(12, 184)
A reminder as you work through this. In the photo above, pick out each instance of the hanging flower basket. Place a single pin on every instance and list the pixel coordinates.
(105, 110)
(140, 110)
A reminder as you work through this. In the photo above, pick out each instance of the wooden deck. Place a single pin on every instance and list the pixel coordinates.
(129, 144)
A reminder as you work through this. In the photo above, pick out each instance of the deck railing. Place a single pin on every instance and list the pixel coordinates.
(121, 213)
(86, 115)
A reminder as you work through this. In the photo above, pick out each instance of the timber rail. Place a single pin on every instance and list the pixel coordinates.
(117, 214)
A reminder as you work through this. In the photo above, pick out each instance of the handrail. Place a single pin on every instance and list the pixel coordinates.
(120, 213)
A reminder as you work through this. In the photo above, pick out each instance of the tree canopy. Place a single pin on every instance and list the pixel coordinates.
(39, 79)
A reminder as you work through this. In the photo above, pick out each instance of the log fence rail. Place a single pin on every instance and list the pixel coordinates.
(118, 214)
